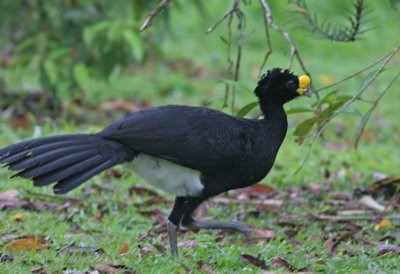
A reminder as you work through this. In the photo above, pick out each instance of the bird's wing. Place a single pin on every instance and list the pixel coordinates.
(195, 137)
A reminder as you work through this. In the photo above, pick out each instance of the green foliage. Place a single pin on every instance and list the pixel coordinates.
(71, 44)
(331, 31)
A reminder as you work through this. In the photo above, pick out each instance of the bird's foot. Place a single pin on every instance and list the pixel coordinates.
(235, 226)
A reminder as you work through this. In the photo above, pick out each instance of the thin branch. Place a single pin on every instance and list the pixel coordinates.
(354, 74)
(149, 19)
(233, 66)
(387, 58)
(269, 46)
(294, 52)
(271, 23)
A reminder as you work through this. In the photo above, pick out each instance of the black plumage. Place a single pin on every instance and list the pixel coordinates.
(216, 152)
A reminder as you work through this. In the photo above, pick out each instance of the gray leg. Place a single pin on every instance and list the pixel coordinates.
(235, 226)
(172, 235)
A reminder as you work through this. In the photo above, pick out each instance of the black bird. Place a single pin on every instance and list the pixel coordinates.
(192, 152)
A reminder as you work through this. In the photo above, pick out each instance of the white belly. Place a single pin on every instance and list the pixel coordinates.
(170, 177)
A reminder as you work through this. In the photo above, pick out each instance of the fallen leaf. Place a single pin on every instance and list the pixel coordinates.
(188, 244)
(262, 235)
(256, 261)
(369, 202)
(39, 270)
(204, 267)
(84, 250)
(124, 249)
(9, 195)
(16, 217)
(27, 243)
(282, 263)
(383, 223)
(388, 248)
(22, 122)
(255, 191)
(186, 267)
(333, 242)
(109, 268)
(144, 251)
(12, 204)
(160, 248)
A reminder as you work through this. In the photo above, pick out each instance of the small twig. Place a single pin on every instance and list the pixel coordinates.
(269, 46)
(233, 66)
(293, 49)
(149, 19)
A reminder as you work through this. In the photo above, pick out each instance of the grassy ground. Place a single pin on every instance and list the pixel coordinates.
(116, 219)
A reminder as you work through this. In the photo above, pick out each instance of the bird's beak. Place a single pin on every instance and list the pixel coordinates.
(304, 85)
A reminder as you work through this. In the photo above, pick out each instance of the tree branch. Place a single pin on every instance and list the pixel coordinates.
(149, 19)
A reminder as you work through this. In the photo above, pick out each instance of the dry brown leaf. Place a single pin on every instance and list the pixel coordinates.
(383, 223)
(22, 122)
(333, 242)
(369, 202)
(27, 243)
(282, 263)
(39, 270)
(9, 195)
(262, 235)
(204, 267)
(256, 261)
(124, 249)
(255, 191)
(144, 251)
(188, 244)
(388, 248)
(111, 269)
(160, 248)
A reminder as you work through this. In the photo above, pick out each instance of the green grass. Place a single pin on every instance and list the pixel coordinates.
(302, 244)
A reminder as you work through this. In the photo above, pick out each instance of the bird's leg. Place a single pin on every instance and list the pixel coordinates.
(173, 235)
(190, 223)
(173, 223)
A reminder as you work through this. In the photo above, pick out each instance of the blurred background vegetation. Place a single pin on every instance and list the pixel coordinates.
(69, 66)
(83, 61)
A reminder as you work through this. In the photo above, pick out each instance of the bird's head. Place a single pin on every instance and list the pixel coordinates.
(282, 86)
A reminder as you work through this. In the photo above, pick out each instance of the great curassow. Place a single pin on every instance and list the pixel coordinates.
(192, 152)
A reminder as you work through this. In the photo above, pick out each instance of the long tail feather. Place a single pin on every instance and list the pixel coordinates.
(68, 160)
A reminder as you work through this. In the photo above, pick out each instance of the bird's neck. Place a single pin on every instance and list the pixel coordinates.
(272, 109)
(275, 120)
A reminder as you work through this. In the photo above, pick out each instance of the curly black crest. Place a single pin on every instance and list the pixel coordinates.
(272, 80)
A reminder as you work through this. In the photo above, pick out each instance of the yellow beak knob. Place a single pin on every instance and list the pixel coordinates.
(304, 84)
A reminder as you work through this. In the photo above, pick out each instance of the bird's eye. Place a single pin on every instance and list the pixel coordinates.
(291, 85)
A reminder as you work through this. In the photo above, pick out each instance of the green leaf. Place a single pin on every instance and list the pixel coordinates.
(81, 75)
(299, 110)
(361, 126)
(135, 43)
(50, 68)
(335, 106)
(246, 109)
(327, 99)
(90, 33)
(303, 129)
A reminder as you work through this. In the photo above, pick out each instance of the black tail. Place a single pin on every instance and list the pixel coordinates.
(69, 160)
